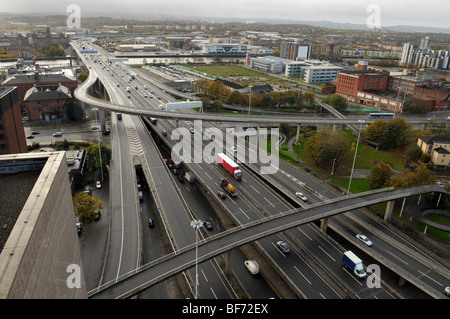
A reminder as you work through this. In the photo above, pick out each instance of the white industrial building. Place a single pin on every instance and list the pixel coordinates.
(225, 49)
(271, 64)
(312, 71)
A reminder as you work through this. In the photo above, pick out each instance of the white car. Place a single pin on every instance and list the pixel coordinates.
(57, 134)
(301, 196)
(440, 184)
(364, 239)
(99, 185)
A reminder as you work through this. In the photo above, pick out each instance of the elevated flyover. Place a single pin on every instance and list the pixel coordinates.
(169, 265)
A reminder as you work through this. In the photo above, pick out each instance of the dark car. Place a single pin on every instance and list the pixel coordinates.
(35, 132)
(151, 222)
(208, 224)
(97, 215)
(88, 190)
(30, 136)
(180, 178)
(108, 132)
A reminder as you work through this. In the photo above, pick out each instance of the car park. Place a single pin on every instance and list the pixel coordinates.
(301, 196)
(283, 247)
(364, 239)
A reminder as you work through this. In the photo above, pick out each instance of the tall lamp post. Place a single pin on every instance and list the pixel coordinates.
(98, 141)
(249, 98)
(196, 224)
(354, 158)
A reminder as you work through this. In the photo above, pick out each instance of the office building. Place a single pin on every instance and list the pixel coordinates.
(271, 64)
(12, 134)
(225, 49)
(295, 51)
(312, 71)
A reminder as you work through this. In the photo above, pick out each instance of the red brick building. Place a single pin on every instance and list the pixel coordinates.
(46, 102)
(438, 96)
(12, 134)
(26, 82)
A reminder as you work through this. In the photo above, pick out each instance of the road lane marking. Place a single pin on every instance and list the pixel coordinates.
(302, 275)
(326, 253)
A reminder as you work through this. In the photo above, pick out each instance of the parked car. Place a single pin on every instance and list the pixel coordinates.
(440, 184)
(35, 133)
(88, 190)
(57, 134)
(141, 196)
(283, 247)
(151, 222)
(364, 239)
(97, 215)
(95, 128)
(301, 196)
(79, 228)
(98, 185)
(30, 136)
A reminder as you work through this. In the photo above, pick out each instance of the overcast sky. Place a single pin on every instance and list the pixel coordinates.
(433, 13)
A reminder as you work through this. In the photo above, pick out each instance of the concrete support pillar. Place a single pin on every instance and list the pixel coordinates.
(257, 136)
(324, 224)
(389, 209)
(334, 128)
(298, 133)
(102, 115)
(228, 262)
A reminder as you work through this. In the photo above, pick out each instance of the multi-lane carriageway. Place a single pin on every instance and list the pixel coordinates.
(264, 206)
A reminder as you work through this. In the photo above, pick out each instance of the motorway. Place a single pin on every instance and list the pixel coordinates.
(133, 135)
(269, 204)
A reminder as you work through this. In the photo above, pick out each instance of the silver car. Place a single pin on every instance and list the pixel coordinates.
(301, 196)
(364, 239)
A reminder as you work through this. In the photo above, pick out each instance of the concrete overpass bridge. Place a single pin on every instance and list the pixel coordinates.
(185, 258)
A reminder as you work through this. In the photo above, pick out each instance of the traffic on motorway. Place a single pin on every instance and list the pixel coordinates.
(299, 253)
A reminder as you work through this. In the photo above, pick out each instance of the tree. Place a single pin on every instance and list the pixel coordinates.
(235, 97)
(74, 111)
(414, 152)
(284, 128)
(86, 206)
(93, 157)
(409, 178)
(391, 134)
(337, 101)
(416, 106)
(310, 98)
(325, 147)
(379, 176)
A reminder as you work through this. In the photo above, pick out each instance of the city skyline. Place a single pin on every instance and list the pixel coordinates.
(391, 13)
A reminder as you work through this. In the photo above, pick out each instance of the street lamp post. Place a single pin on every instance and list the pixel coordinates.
(196, 224)
(354, 158)
(249, 98)
(98, 141)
